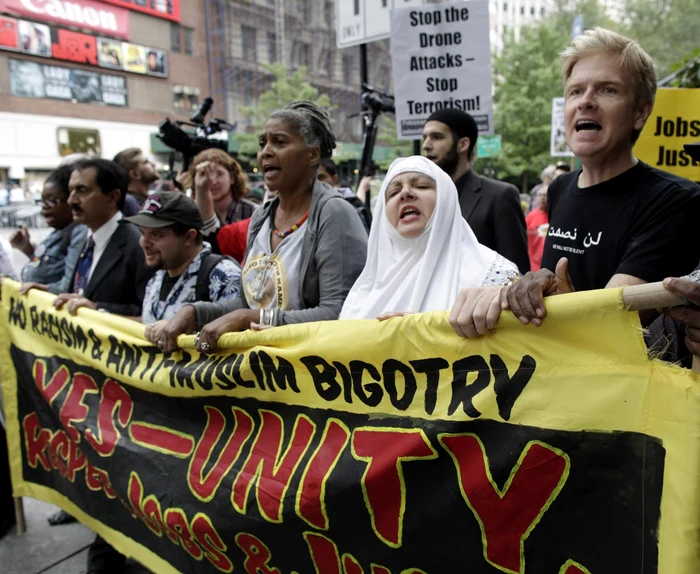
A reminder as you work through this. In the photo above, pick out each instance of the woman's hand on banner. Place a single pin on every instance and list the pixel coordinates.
(183, 322)
(25, 288)
(688, 315)
(154, 333)
(73, 302)
(207, 341)
(526, 297)
(476, 311)
(392, 315)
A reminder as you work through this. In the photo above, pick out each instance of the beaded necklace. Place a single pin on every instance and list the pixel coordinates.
(292, 229)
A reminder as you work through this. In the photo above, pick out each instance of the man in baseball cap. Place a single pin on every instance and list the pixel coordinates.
(187, 270)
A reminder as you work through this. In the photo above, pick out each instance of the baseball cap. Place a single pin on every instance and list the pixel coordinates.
(167, 208)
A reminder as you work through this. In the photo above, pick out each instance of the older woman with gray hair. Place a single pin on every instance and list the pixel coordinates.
(305, 248)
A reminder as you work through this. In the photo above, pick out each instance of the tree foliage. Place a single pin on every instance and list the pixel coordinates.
(667, 29)
(526, 78)
(287, 86)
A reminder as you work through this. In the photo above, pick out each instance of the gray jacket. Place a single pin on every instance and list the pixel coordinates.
(333, 255)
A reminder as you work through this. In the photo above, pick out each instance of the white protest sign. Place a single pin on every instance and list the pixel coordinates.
(362, 21)
(441, 58)
(558, 146)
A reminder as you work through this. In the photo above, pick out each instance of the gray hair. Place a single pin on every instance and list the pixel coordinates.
(312, 123)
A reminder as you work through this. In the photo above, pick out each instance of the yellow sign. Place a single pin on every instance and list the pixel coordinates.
(362, 447)
(674, 121)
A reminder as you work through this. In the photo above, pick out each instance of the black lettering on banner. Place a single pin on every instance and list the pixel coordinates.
(508, 389)
(389, 370)
(347, 381)
(324, 380)
(197, 371)
(279, 376)
(223, 373)
(152, 353)
(237, 374)
(114, 356)
(18, 314)
(463, 393)
(370, 394)
(97, 351)
(257, 371)
(431, 368)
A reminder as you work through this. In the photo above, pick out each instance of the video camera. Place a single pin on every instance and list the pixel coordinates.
(190, 144)
(377, 101)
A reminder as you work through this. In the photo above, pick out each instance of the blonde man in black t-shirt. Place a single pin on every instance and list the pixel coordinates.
(616, 221)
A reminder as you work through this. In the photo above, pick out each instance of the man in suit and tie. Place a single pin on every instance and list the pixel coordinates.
(111, 273)
(492, 208)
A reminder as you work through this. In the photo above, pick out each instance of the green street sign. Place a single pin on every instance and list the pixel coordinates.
(488, 146)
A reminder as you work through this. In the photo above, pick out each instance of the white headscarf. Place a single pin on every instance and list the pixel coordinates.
(423, 273)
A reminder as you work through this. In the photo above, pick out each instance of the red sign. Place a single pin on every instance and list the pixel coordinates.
(9, 40)
(89, 14)
(74, 47)
(169, 9)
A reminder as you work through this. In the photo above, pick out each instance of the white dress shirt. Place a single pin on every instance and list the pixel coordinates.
(101, 238)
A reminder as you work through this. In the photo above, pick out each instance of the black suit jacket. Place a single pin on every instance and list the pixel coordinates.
(119, 280)
(492, 209)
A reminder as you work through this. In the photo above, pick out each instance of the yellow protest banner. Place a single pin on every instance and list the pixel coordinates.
(674, 121)
(362, 447)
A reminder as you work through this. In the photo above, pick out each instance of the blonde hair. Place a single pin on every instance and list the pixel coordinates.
(632, 57)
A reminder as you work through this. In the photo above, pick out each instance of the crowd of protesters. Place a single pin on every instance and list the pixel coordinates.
(442, 236)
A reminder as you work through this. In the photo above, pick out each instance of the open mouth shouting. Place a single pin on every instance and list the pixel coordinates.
(588, 126)
(270, 170)
(409, 213)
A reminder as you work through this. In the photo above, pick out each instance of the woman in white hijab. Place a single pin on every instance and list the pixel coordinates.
(423, 256)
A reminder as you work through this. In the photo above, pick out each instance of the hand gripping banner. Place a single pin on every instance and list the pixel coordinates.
(362, 447)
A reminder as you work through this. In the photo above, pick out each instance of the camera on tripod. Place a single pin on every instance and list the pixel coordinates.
(190, 144)
(377, 101)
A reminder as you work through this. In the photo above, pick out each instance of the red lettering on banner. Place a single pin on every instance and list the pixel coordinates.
(257, 555)
(74, 410)
(176, 521)
(205, 487)
(382, 482)
(58, 452)
(573, 567)
(75, 47)
(114, 400)
(97, 479)
(264, 466)
(58, 381)
(148, 510)
(76, 460)
(351, 566)
(324, 553)
(210, 541)
(507, 517)
(36, 441)
(161, 439)
(380, 569)
(311, 505)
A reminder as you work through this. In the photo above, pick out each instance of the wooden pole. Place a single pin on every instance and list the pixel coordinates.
(653, 296)
(19, 516)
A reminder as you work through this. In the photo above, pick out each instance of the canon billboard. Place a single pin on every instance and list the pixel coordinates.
(102, 18)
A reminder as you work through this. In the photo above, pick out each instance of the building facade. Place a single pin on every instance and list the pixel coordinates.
(94, 76)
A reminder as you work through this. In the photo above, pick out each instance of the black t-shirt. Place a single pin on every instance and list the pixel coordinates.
(643, 223)
(167, 286)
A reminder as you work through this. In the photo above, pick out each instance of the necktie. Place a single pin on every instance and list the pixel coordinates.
(82, 270)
